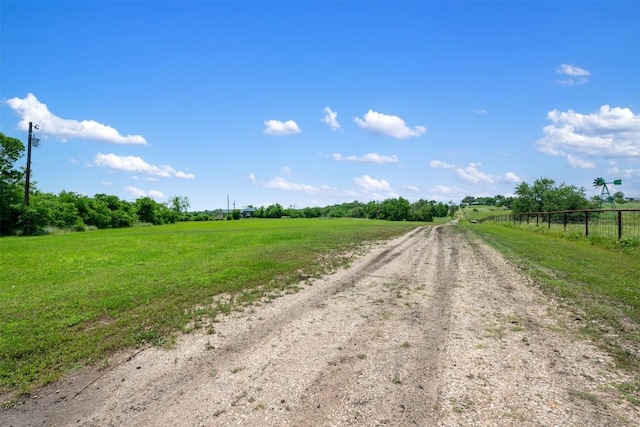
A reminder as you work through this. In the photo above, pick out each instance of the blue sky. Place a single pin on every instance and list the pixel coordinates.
(315, 103)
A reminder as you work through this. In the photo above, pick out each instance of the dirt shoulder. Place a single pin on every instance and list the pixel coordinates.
(431, 328)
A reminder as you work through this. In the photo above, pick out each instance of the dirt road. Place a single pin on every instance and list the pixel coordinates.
(432, 329)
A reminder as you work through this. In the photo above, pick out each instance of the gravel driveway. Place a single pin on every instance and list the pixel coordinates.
(433, 328)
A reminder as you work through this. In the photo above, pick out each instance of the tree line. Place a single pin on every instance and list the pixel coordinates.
(73, 211)
(396, 209)
(69, 210)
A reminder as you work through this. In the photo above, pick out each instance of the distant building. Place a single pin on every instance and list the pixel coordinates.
(244, 213)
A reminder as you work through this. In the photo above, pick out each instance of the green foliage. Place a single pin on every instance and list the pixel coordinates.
(274, 211)
(11, 186)
(236, 214)
(545, 196)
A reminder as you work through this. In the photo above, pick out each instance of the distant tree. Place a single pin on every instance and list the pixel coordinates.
(468, 200)
(618, 195)
(236, 214)
(179, 204)
(11, 188)
(545, 196)
(274, 211)
(147, 210)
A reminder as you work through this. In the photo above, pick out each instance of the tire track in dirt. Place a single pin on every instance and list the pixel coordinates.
(388, 370)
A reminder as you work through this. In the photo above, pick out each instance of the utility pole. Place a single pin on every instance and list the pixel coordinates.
(26, 184)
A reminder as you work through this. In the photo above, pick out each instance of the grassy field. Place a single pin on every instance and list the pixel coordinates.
(478, 212)
(600, 282)
(72, 299)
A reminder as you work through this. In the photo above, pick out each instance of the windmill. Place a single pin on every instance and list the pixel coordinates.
(604, 191)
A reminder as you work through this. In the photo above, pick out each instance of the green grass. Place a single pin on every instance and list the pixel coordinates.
(478, 212)
(68, 300)
(600, 281)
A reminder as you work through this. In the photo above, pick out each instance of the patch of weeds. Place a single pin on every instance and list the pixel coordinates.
(237, 369)
(517, 329)
(210, 330)
(260, 407)
(364, 315)
(630, 391)
(362, 356)
(461, 405)
(406, 344)
(396, 380)
(213, 373)
(495, 332)
(9, 403)
(208, 346)
(222, 307)
(584, 396)
(386, 315)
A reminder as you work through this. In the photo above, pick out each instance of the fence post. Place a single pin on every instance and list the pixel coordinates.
(549, 219)
(586, 223)
(619, 225)
(565, 221)
(537, 220)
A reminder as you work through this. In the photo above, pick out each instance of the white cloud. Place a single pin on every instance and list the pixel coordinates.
(480, 111)
(443, 190)
(136, 164)
(155, 194)
(472, 175)
(579, 162)
(392, 126)
(331, 118)
(278, 128)
(252, 177)
(572, 70)
(608, 132)
(279, 183)
(32, 110)
(72, 160)
(437, 164)
(577, 75)
(108, 183)
(136, 192)
(367, 158)
(183, 175)
(412, 188)
(372, 184)
(285, 171)
(512, 177)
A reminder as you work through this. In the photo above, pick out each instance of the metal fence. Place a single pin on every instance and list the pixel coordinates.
(615, 223)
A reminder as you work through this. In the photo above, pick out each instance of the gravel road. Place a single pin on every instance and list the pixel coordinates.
(433, 328)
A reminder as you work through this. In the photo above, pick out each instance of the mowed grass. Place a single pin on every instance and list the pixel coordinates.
(68, 300)
(602, 284)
